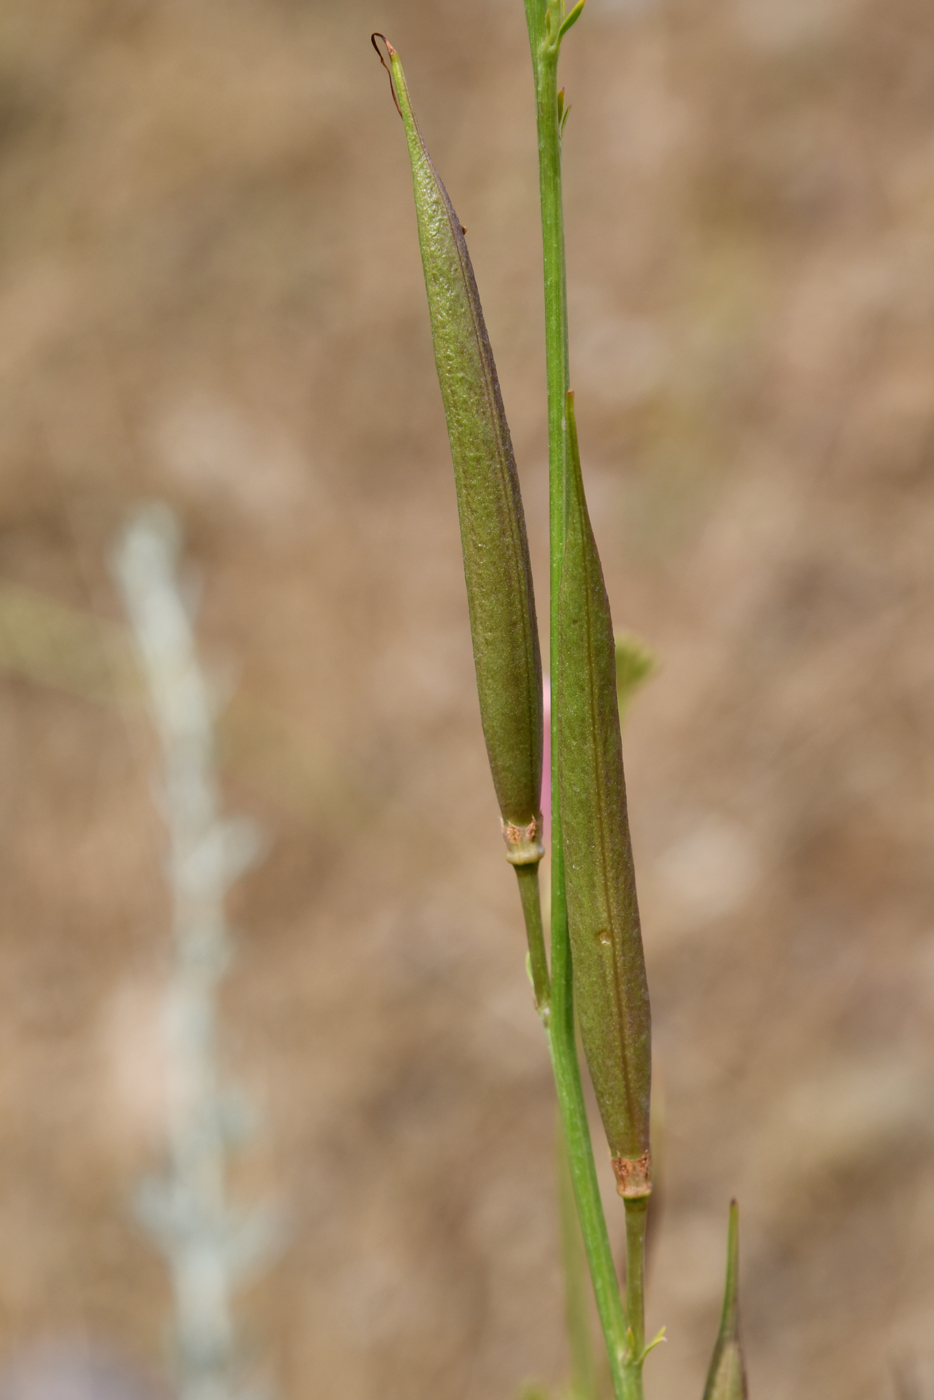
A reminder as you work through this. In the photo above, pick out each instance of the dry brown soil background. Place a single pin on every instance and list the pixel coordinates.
(210, 294)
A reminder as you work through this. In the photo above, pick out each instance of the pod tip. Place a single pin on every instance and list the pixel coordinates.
(392, 53)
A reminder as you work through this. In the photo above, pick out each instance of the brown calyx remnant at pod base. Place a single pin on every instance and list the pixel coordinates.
(523, 843)
(633, 1176)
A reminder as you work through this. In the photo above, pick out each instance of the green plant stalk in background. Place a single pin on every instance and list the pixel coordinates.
(726, 1379)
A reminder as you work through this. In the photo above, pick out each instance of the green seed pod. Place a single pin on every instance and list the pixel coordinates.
(726, 1379)
(493, 534)
(610, 987)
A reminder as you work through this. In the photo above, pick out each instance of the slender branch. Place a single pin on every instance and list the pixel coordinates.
(584, 1385)
(527, 875)
(636, 1216)
(544, 21)
(561, 1044)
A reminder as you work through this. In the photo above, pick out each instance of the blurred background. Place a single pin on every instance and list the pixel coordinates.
(210, 295)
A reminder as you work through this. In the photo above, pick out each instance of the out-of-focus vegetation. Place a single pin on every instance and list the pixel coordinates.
(210, 292)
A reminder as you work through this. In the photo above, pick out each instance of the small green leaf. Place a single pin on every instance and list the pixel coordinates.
(564, 110)
(572, 18)
(656, 1341)
(493, 534)
(726, 1379)
(610, 987)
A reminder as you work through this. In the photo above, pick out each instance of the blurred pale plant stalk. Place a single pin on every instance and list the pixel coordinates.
(595, 979)
(209, 1244)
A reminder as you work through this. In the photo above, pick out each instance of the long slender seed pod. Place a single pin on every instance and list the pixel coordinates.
(493, 534)
(610, 987)
(726, 1379)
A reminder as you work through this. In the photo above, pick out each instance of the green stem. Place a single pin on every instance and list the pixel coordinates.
(557, 1011)
(527, 875)
(564, 1061)
(545, 67)
(576, 1292)
(636, 1216)
(544, 18)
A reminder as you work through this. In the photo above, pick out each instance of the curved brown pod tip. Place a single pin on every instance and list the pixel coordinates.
(610, 986)
(493, 534)
(390, 50)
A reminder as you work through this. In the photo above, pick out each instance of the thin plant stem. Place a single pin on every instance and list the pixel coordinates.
(545, 70)
(527, 875)
(544, 18)
(558, 1019)
(566, 1068)
(636, 1217)
(576, 1291)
